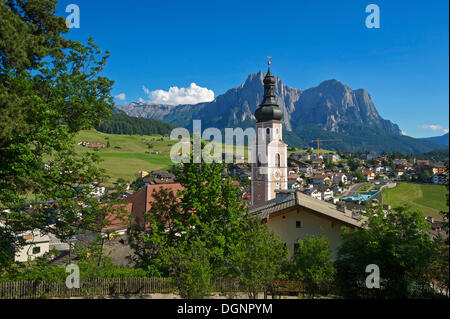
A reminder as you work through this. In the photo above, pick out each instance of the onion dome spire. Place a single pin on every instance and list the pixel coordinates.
(269, 110)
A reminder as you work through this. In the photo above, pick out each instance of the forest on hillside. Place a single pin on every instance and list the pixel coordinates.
(434, 156)
(124, 124)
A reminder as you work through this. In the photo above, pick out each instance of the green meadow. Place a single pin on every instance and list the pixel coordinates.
(126, 155)
(429, 199)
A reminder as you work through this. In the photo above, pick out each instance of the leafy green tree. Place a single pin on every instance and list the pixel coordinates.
(208, 205)
(401, 247)
(190, 268)
(425, 177)
(50, 88)
(159, 229)
(352, 164)
(439, 269)
(313, 264)
(360, 176)
(258, 259)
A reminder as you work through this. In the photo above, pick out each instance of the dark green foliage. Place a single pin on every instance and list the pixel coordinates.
(313, 265)
(41, 270)
(189, 266)
(352, 164)
(217, 213)
(124, 124)
(258, 259)
(204, 233)
(360, 176)
(50, 88)
(401, 247)
(361, 138)
(434, 156)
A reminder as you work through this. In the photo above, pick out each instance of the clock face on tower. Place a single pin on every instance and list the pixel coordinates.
(277, 174)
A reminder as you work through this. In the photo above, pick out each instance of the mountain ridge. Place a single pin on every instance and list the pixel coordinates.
(441, 139)
(329, 109)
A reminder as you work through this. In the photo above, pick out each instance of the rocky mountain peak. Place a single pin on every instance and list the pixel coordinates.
(332, 105)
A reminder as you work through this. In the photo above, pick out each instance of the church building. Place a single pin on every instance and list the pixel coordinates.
(269, 169)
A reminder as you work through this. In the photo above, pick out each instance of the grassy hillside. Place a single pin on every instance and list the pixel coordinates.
(126, 155)
(430, 199)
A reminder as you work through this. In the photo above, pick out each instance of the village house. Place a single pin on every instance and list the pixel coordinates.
(438, 168)
(382, 169)
(294, 181)
(327, 194)
(301, 156)
(439, 179)
(339, 178)
(320, 180)
(421, 164)
(313, 192)
(366, 157)
(399, 172)
(295, 156)
(242, 170)
(293, 216)
(305, 168)
(36, 245)
(368, 175)
(401, 162)
(318, 165)
(333, 157)
(92, 144)
(135, 205)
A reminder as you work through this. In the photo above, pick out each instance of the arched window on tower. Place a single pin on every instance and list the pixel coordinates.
(277, 160)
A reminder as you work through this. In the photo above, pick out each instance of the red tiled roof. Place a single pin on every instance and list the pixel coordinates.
(115, 220)
(137, 204)
(143, 198)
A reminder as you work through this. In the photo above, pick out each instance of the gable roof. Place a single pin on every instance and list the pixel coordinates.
(142, 199)
(269, 208)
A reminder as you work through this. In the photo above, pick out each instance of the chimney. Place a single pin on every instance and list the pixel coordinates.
(283, 195)
(340, 206)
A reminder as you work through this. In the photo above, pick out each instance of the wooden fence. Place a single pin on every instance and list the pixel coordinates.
(88, 287)
(118, 286)
(101, 287)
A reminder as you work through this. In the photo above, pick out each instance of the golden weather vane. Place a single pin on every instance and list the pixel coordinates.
(268, 59)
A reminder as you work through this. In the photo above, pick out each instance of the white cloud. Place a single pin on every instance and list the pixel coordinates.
(445, 130)
(191, 95)
(121, 96)
(433, 127)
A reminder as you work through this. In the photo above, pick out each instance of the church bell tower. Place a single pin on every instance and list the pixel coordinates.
(269, 166)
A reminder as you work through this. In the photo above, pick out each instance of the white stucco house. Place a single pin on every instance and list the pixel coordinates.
(36, 245)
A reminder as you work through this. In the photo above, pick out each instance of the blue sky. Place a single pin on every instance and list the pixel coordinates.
(216, 44)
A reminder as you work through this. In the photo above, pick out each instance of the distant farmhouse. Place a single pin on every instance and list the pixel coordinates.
(92, 144)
